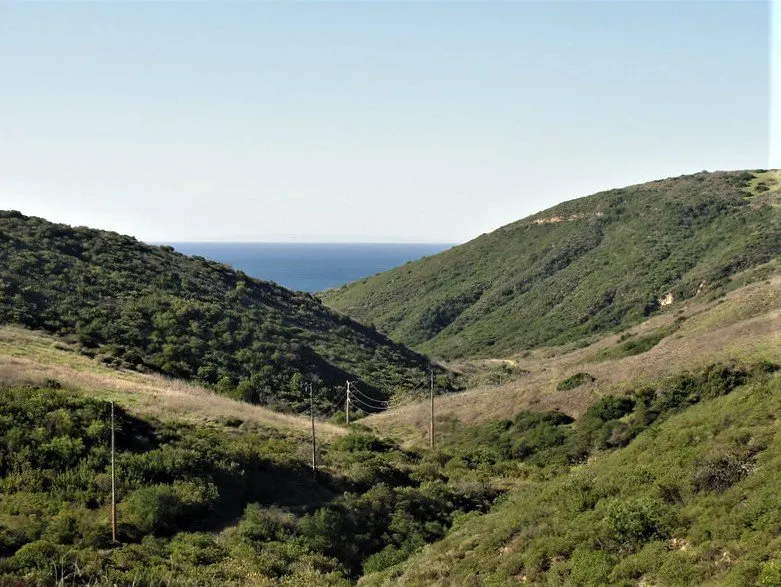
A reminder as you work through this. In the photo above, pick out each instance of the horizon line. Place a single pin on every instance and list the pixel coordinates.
(253, 242)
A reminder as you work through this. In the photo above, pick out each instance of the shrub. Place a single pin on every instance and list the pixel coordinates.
(355, 442)
(198, 549)
(261, 524)
(162, 508)
(770, 575)
(387, 557)
(611, 407)
(718, 473)
(36, 555)
(574, 381)
(631, 523)
(590, 567)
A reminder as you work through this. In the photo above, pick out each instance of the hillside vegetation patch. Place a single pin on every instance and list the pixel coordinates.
(690, 500)
(605, 264)
(136, 306)
(204, 506)
(574, 381)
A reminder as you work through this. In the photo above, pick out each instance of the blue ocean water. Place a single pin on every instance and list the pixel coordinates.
(310, 267)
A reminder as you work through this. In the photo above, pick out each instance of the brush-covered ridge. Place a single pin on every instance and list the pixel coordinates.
(586, 266)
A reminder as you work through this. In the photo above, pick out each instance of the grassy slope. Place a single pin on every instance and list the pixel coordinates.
(34, 358)
(637, 515)
(150, 308)
(586, 266)
(743, 325)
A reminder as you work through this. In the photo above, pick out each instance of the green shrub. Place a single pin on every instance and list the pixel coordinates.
(195, 550)
(770, 575)
(631, 523)
(590, 567)
(261, 524)
(574, 381)
(37, 555)
(610, 407)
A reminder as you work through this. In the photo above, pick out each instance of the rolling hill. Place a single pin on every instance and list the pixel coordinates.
(152, 309)
(582, 268)
(649, 456)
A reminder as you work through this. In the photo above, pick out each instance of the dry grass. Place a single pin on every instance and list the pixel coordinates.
(33, 358)
(743, 326)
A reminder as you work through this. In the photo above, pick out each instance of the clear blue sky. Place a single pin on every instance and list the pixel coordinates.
(366, 121)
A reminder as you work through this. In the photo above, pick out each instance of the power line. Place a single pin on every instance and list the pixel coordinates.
(368, 397)
(340, 398)
(366, 407)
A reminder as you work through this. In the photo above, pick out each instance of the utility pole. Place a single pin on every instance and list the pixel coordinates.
(431, 426)
(347, 405)
(113, 483)
(314, 444)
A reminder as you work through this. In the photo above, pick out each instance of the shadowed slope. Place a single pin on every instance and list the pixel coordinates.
(150, 308)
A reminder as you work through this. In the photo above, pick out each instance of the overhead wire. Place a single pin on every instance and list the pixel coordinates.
(359, 401)
(366, 396)
(366, 407)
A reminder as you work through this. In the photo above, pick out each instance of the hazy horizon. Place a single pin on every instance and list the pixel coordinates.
(370, 122)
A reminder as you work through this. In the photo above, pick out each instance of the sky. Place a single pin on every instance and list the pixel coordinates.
(369, 121)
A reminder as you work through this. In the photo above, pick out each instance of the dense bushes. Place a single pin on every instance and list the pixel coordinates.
(197, 504)
(552, 438)
(226, 506)
(692, 500)
(143, 307)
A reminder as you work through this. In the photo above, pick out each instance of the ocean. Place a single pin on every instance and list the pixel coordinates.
(311, 267)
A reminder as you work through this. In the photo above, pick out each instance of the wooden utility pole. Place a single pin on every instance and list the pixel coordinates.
(347, 405)
(113, 483)
(431, 425)
(314, 443)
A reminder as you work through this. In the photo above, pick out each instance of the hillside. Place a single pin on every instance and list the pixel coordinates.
(210, 490)
(671, 483)
(742, 325)
(35, 359)
(692, 500)
(151, 309)
(649, 457)
(584, 267)
(200, 505)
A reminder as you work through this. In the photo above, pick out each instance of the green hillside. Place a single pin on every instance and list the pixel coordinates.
(586, 266)
(203, 505)
(150, 308)
(672, 484)
(665, 475)
(692, 500)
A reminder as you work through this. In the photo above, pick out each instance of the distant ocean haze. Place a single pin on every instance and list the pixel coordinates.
(311, 267)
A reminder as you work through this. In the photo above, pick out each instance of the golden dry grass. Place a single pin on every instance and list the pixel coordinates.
(743, 326)
(28, 357)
